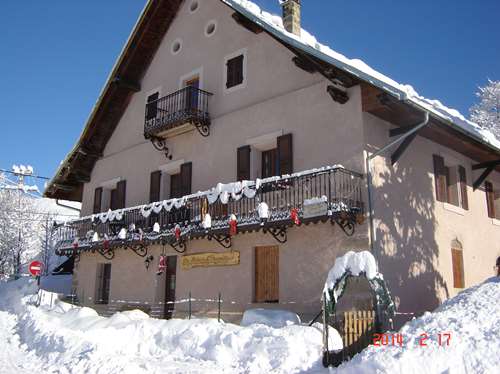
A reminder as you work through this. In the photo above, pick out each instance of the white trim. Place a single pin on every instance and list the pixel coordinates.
(214, 22)
(244, 52)
(172, 168)
(454, 209)
(495, 221)
(191, 4)
(197, 72)
(265, 142)
(178, 40)
(110, 184)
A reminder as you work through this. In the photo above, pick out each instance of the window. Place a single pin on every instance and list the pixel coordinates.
(450, 182)
(180, 184)
(492, 199)
(152, 105)
(270, 163)
(210, 28)
(266, 274)
(176, 46)
(194, 6)
(117, 199)
(103, 283)
(457, 260)
(235, 71)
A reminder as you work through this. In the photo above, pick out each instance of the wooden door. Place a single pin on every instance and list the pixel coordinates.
(267, 274)
(170, 275)
(192, 94)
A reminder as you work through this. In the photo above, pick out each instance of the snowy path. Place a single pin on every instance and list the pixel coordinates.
(13, 359)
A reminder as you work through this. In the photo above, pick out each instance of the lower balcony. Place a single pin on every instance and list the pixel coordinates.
(271, 205)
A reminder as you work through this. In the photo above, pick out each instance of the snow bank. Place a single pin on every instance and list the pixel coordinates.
(359, 68)
(71, 339)
(354, 262)
(274, 318)
(473, 320)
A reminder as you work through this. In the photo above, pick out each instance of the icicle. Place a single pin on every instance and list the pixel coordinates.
(156, 227)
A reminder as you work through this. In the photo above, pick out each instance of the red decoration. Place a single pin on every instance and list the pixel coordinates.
(162, 264)
(75, 244)
(177, 232)
(106, 244)
(294, 215)
(233, 225)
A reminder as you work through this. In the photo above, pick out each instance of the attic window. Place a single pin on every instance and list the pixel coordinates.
(176, 46)
(235, 71)
(194, 6)
(211, 28)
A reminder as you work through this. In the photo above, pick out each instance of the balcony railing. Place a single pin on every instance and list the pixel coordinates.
(186, 106)
(272, 205)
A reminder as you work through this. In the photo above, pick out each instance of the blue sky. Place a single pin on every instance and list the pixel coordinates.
(56, 55)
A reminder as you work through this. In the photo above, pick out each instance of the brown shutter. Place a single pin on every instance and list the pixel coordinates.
(243, 163)
(440, 178)
(267, 274)
(154, 186)
(99, 282)
(457, 260)
(490, 199)
(462, 176)
(285, 154)
(121, 190)
(234, 74)
(186, 172)
(97, 200)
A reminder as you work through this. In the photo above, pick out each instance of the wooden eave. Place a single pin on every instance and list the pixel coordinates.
(123, 81)
(402, 114)
(136, 57)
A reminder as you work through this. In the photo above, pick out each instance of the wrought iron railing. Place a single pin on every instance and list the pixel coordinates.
(188, 105)
(329, 193)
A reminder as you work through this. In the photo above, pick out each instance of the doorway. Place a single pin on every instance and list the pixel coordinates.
(192, 86)
(170, 275)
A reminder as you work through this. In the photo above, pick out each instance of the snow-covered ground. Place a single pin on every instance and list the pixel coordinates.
(66, 339)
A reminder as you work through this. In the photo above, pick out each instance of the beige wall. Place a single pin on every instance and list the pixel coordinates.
(304, 261)
(414, 231)
(278, 96)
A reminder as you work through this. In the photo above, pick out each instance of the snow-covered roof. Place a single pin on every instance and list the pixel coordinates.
(308, 43)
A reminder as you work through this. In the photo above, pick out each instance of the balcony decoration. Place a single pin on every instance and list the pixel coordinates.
(162, 264)
(272, 205)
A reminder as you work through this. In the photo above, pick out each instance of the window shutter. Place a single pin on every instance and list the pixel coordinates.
(121, 190)
(154, 186)
(152, 106)
(285, 154)
(97, 200)
(440, 178)
(462, 176)
(490, 199)
(186, 173)
(234, 71)
(99, 283)
(457, 260)
(243, 163)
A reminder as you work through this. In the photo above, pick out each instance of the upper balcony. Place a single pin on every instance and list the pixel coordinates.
(272, 205)
(176, 113)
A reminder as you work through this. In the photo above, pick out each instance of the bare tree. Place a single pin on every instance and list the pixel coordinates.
(486, 112)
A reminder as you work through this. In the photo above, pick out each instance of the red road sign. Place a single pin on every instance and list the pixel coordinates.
(35, 268)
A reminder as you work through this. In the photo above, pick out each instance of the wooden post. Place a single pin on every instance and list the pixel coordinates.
(326, 350)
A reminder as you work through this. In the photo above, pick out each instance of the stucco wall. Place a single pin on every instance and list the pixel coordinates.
(304, 261)
(414, 231)
(278, 96)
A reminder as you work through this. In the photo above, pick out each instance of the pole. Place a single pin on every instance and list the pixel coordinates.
(189, 306)
(219, 305)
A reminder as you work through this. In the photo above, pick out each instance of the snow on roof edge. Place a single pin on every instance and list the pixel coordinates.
(308, 43)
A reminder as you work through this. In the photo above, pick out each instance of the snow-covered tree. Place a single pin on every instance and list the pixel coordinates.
(486, 113)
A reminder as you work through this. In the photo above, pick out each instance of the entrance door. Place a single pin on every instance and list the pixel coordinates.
(267, 274)
(170, 286)
(192, 95)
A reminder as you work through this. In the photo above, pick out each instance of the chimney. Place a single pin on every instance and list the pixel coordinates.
(291, 16)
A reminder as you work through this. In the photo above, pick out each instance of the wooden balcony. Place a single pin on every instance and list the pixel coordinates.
(178, 112)
(327, 194)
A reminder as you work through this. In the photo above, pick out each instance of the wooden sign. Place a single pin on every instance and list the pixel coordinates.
(210, 259)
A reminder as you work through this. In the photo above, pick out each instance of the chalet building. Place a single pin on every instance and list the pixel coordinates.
(230, 152)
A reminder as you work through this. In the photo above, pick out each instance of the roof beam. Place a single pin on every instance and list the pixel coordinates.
(128, 85)
(482, 177)
(246, 23)
(402, 148)
(486, 164)
(400, 130)
(303, 64)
